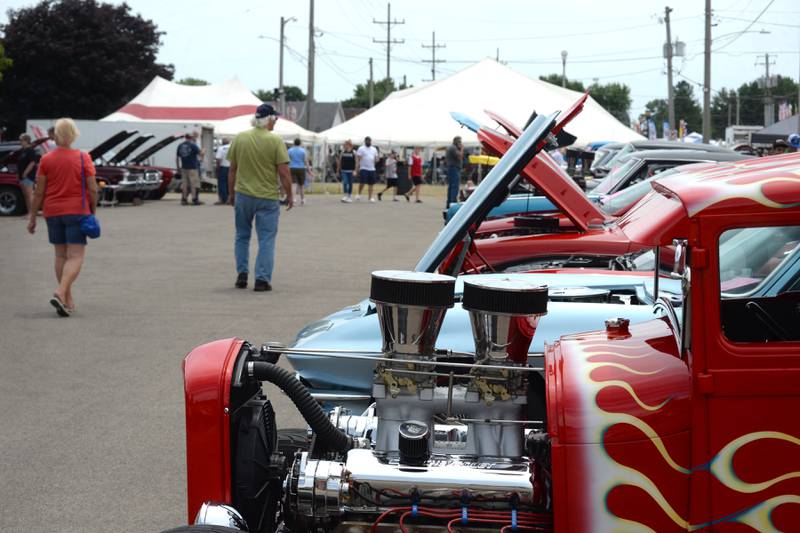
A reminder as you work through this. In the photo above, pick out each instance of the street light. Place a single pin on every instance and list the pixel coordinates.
(563, 68)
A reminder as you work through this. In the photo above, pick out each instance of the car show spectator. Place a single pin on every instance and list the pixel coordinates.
(366, 155)
(187, 160)
(415, 166)
(258, 160)
(347, 165)
(455, 159)
(223, 165)
(391, 177)
(26, 168)
(299, 164)
(66, 191)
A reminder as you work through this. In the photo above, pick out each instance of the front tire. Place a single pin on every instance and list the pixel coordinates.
(12, 203)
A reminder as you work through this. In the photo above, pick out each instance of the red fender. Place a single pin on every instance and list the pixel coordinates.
(207, 372)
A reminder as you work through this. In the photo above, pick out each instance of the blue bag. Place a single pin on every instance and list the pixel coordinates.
(90, 226)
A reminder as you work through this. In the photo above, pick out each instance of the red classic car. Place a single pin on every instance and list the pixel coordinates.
(685, 422)
(11, 200)
(167, 174)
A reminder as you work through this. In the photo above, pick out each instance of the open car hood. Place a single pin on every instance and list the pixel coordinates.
(163, 143)
(129, 148)
(549, 178)
(100, 150)
(494, 187)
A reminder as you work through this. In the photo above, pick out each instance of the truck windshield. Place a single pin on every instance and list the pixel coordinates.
(619, 202)
(748, 256)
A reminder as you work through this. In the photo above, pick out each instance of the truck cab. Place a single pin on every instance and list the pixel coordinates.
(688, 422)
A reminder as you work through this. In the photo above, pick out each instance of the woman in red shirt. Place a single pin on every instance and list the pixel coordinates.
(66, 191)
(415, 163)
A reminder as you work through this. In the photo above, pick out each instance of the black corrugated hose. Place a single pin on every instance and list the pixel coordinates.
(331, 436)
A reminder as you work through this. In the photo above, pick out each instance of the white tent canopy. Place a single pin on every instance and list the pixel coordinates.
(227, 106)
(420, 116)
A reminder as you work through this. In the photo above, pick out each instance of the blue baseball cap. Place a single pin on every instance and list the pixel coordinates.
(266, 110)
(794, 140)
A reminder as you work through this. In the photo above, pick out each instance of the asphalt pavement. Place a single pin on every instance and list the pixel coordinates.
(91, 406)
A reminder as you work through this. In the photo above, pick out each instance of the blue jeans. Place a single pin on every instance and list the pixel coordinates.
(453, 184)
(222, 184)
(266, 214)
(347, 181)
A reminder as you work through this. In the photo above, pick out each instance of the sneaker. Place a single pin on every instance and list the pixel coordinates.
(241, 280)
(197, 202)
(408, 197)
(302, 201)
(358, 197)
(395, 200)
(184, 202)
(345, 199)
(262, 285)
(372, 200)
(380, 196)
(419, 201)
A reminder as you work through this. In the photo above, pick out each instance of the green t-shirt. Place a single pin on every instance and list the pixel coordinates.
(257, 153)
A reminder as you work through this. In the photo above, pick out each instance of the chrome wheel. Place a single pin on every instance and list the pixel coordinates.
(11, 201)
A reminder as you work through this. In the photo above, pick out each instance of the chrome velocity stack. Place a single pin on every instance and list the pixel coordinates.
(504, 314)
(411, 308)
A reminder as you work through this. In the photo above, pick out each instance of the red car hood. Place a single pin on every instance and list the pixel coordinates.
(549, 178)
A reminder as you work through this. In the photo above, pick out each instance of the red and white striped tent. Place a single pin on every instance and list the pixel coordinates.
(227, 106)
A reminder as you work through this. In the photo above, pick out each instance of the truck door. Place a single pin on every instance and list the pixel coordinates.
(750, 387)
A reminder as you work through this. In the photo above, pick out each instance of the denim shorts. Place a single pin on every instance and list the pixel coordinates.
(65, 229)
(366, 176)
(27, 182)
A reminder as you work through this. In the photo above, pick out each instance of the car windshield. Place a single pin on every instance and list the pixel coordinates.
(622, 152)
(616, 176)
(619, 202)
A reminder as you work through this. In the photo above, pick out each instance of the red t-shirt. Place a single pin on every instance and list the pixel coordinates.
(416, 166)
(62, 195)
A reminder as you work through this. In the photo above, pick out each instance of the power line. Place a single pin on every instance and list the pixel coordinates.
(747, 28)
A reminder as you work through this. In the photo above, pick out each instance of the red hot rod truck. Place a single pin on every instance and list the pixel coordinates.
(687, 422)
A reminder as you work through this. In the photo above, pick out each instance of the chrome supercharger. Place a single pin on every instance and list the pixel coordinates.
(446, 431)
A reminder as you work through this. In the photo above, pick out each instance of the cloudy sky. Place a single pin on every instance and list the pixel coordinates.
(608, 41)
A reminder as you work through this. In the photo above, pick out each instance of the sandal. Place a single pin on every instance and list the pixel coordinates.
(61, 309)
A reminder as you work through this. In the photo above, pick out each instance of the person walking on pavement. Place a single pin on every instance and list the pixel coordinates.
(67, 191)
(455, 159)
(391, 177)
(347, 165)
(223, 166)
(415, 166)
(366, 155)
(26, 168)
(258, 160)
(187, 160)
(298, 165)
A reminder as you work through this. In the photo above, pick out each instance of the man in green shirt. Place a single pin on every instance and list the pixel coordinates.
(258, 159)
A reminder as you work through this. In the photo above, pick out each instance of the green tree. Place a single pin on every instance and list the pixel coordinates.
(686, 108)
(4, 61)
(723, 107)
(752, 96)
(614, 98)
(555, 79)
(197, 82)
(76, 58)
(293, 94)
(381, 89)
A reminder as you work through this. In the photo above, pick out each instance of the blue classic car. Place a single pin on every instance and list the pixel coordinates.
(579, 300)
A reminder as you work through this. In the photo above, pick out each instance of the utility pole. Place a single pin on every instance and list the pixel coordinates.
(371, 84)
(310, 95)
(281, 91)
(433, 46)
(738, 107)
(389, 42)
(563, 68)
(707, 77)
(670, 90)
(769, 105)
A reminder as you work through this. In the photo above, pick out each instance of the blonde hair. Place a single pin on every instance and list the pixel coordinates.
(65, 132)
